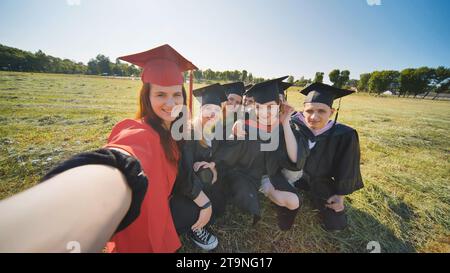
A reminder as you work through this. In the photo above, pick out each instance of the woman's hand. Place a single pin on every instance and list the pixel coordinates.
(205, 165)
(286, 112)
(336, 203)
(198, 165)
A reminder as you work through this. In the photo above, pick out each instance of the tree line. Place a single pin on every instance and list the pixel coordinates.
(14, 59)
(232, 76)
(407, 82)
(410, 81)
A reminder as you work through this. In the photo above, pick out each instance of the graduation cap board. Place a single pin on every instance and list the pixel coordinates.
(266, 91)
(284, 87)
(237, 88)
(211, 94)
(247, 87)
(323, 93)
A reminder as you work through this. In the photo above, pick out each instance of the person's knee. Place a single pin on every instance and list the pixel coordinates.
(292, 202)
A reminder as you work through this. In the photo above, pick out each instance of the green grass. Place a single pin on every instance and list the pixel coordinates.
(405, 144)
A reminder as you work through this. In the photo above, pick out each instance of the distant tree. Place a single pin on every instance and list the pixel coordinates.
(302, 82)
(381, 81)
(376, 82)
(344, 78)
(318, 77)
(133, 71)
(250, 78)
(441, 80)
(93, 67)
(42, 60)
(338, 78)
(208, 74)
(198, 75)
(353, 83)
(363, 84)
(258, 80)
(334, 76)
(426, 77)
(221, 75)
(290, 79)
(408, 81)
(236, 75)
(244, 75)
(416, 81)
(104, 64)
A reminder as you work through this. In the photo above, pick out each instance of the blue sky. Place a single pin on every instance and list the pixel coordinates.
(268, 38)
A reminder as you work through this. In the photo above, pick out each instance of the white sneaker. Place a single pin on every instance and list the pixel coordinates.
(204, 239)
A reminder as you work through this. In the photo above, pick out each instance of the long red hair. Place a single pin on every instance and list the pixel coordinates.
(146, 112)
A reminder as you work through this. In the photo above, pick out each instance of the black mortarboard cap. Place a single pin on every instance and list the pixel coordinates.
(237, 88)
(211, 94)
(323, 93)
(284, 86)
(266, 91)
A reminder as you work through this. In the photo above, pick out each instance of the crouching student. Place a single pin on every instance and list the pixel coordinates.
(269, 145)
(199, 197)
(332, 169)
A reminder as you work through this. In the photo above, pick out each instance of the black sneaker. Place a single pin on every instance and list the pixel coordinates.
(204, 239)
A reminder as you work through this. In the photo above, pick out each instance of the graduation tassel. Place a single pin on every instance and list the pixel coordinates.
(337, 112)
(191, 85)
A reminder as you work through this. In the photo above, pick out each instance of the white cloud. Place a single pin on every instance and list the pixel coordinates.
(73, 2)
(374, 2)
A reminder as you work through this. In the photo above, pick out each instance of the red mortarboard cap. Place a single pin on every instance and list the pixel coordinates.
(161, 65)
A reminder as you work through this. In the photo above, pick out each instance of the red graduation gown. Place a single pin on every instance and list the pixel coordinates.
(153, 230)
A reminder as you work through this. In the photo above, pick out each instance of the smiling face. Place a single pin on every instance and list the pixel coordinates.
(267, 113)
(317, 115)
(234, 100)
(163, 99)
(248, 101)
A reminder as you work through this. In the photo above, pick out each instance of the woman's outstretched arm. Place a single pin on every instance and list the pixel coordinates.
(81, 207)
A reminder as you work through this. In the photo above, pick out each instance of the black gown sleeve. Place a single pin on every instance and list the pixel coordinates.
(302, 151)
(347, 173)
(187, 182)
(229, 153)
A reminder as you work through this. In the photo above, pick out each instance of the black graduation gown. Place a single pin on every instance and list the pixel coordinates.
(244, 163)
(333, 166)
(189, 184)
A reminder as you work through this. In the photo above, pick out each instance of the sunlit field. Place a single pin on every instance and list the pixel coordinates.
(405, 145)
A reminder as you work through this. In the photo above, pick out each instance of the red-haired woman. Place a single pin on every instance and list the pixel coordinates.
(123, 188)
(149, 138)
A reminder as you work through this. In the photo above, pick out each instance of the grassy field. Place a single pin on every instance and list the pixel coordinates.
(405, 205)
